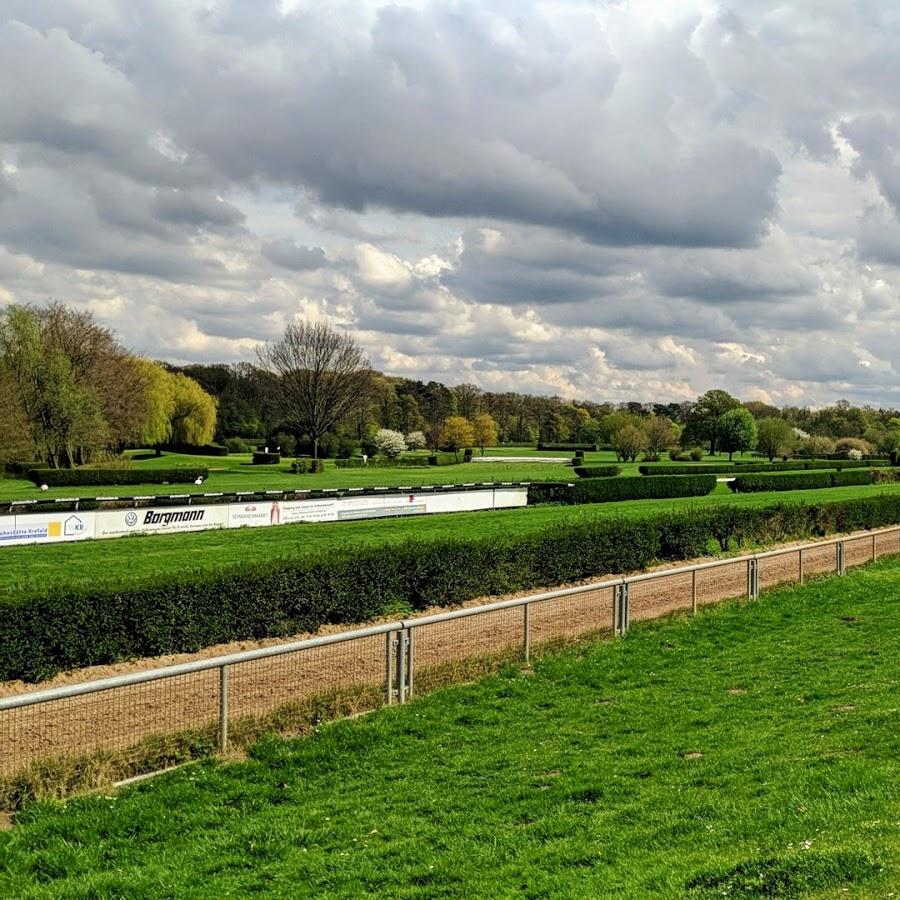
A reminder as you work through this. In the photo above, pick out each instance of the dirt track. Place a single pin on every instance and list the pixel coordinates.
(444, 652)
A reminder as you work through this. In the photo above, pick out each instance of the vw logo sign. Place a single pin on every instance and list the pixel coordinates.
(130, 519)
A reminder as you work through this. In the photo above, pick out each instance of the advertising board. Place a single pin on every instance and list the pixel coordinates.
(159, 520)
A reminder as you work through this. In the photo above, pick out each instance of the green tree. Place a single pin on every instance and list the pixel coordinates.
(456, 433)
(193, 419)
(703, 422)
(736, 431)
(774, 436)
(484, 431)
(629, 441)
(660, 434)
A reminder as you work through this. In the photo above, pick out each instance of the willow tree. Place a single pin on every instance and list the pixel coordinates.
(323, 375)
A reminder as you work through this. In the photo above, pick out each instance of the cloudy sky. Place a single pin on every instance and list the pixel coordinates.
(605, 200)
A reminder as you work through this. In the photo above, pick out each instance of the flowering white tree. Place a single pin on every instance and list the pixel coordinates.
(853, 453)
(390, 443)
(416, 440)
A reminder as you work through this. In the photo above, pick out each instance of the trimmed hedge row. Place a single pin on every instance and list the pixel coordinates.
(261, 458)
(99, 477)
(798, 481)
(383, 462)
(597, 471)
(741, 467)
(607, 490)
(187, 610)
(542, 446)
(197, 449)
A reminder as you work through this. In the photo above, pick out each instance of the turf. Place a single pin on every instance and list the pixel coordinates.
(748, 752)
(125, 560)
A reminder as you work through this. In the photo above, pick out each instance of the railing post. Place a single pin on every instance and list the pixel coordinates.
(801, 565)
(526, 631)
(623, 611)
(389, 643)
(401, 666)
(874, 547)
(841, 564)
(223, 709)
(410, 667)
(694, 591)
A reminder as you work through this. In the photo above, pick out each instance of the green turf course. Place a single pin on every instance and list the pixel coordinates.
(236, 473)
(123, 560)
(749, 752)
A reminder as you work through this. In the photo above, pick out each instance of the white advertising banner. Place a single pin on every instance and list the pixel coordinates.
(159, 520)
(46, 528)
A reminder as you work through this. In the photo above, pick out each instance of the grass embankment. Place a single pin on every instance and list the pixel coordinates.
(123, 561)
(748, 752)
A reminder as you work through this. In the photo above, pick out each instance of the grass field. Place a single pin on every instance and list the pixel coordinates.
(748, 752)
(236, 473)
(124, 560)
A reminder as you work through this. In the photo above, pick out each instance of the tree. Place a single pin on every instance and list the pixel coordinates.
(456, 433)
(629, 441)
(193, 417)
(736, 430)
(660, 434)
(416, 440)
(390, 443)
(773, 436)
(411, 419)
(468, 400)
(484, 431)
(322, 374)
(703, 421)
(159, 392)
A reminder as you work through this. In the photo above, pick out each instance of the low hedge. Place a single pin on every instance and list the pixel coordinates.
(852, 476)
(382, 462)
(607, 490)
(261, 458)
(591, 447)
(796, 465)
(197, 449)
(597, 471)
(307, 466)
(780, 481)
(443, 458)
(187, 610)
(101, 477)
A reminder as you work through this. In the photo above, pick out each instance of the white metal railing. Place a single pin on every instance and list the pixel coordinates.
(400, 663)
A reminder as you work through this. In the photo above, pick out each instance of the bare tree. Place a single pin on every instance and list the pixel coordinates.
(323, 375)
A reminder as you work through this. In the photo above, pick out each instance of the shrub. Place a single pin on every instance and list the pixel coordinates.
(197, 449)
(239, 445)
(383, 462)
(677, 455)
(190, 609)
(853, 453)
(579, 454)
(696, 454)
(346, 447)
(102, 477)
(543, 446)
(852, 476)
(416, 440)
(284, 443)
(307, 466)
(606, 490)
(845, 445)
(780, 481)
(597, 471)
(261, 458)
(442, 459)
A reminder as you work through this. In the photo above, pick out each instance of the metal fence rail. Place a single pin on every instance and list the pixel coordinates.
(100, 731)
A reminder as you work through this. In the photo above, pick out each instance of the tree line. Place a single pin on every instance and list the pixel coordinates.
(71, 394)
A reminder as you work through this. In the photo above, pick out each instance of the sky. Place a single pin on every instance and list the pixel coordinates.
(602, 200)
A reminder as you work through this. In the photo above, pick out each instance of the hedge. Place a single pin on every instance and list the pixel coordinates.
(542, 446)
(443, 459)
(783, 481)
(852, 476)
(382, 462)
(606, 490)
(741, 467)
(307, 466)
(197, 449)
(597, 471)
(100, 477)
(187, 610)
(261, 458)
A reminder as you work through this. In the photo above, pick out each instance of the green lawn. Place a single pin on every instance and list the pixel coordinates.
(749, 752)
(121, 560)
(235, 472)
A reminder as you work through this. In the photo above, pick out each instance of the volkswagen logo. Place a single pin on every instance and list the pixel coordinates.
(130, 519)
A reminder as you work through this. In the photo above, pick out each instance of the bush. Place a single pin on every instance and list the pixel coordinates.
(780, 481)
(383, 462)
(676, 455)
(307, 466)
(442, 459)
(239, 445)
(103, 477)
(197, 449)
(579, 454)
(17, 468)
(852, 476)
(542, 446)
(346, 447)
(606, 490)
(261, 458)
(696, 454)
(45, 632)
(597, 471)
